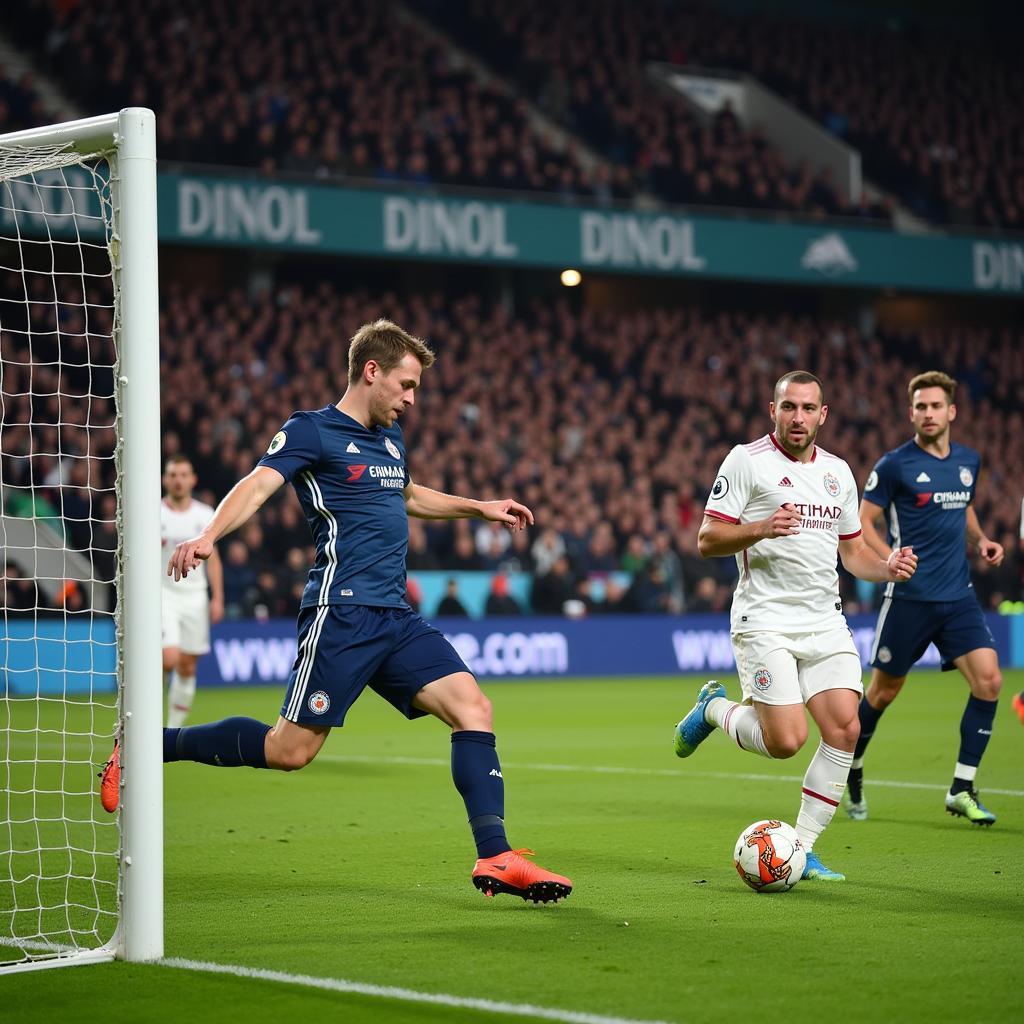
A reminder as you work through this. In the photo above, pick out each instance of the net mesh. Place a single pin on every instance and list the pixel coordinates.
(59, 498)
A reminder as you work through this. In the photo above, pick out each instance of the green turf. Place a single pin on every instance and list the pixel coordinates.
(358, 868)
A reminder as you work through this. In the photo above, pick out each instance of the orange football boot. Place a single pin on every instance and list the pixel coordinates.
(511, 872)
(110, 781)
(1018, 706)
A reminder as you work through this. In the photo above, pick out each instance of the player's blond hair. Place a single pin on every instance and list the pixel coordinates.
(386, 344)
(932, 379)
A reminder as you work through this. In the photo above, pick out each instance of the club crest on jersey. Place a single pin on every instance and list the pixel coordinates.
(278, 442)
(319, 703)
(720, 488)
(392, 448)
(966, 476)
(832, 484)
(762, 679)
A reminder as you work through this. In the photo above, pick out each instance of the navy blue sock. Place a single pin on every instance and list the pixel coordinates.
(869, 717)
(477, 776)
(230, 743)
(975, 732)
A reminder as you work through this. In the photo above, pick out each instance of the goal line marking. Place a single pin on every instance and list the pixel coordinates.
(406, 995)
(596, 769)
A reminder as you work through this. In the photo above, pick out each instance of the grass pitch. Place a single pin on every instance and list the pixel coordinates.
(357, 868)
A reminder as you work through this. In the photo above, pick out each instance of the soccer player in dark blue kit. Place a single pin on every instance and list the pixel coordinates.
(347, 463)
(925, 488)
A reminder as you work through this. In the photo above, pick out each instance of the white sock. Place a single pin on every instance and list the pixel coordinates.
(823, 788)
(179, 699)
(740, 721)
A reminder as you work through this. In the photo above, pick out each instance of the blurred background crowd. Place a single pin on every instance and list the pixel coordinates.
(608, 420)
(609, 425)
(371, 91)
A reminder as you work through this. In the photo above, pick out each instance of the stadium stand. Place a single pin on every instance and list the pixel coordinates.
(355, 91)
(934, 113)
(611, 430)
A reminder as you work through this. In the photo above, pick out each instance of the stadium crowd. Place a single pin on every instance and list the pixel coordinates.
(610, 425)
(935, 113)
(352, 89)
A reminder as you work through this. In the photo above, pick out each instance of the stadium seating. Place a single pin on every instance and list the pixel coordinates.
(935, 113)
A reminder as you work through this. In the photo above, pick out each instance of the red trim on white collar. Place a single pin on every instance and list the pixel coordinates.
(792, 458)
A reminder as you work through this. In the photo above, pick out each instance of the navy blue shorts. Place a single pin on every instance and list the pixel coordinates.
(906, 628)
(343, 648)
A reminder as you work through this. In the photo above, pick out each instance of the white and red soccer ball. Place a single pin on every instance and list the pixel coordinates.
(769, 856)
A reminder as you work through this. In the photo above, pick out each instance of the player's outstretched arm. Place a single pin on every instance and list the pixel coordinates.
(860, 560)
(718, 538)
(426, 503)
(241, 502)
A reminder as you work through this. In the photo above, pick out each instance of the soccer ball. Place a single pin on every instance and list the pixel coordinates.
(769, 856)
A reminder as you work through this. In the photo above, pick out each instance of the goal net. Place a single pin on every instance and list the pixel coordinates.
(79, 487)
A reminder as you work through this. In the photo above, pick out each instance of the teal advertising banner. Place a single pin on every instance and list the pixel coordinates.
(260, 213)
(418, 225)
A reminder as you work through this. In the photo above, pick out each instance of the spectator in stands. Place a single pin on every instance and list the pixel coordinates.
(18, 595)
(450, 606)
(552, 589)
(499, 600)
(239, 580)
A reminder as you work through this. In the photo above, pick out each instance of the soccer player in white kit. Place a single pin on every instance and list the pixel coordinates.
(783, 507)
(187, 610)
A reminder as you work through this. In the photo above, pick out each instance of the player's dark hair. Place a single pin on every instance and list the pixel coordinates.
(932, 379)
(798, 377)
(386, 344)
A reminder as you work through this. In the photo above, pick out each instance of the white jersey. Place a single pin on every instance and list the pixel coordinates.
(787, 584)
(176, 527)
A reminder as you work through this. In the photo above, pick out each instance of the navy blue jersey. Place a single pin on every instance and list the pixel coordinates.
(925, 500)
(349, 480)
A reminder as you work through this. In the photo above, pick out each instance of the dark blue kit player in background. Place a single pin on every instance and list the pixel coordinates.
(924, 490)
(347, 463)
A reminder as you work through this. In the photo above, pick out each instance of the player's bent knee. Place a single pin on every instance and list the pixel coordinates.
(476, 713)
(289, 760)
(989, 686)
(785, 746)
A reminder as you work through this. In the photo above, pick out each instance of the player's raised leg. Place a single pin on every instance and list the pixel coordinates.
(981, 670)
(457, 700)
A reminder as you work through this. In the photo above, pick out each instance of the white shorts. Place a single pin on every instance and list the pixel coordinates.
(779, 668)
(185, 621)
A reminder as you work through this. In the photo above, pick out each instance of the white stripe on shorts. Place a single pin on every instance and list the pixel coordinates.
(306, 664)
(882, 613)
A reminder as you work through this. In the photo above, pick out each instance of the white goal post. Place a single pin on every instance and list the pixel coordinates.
(79, 462)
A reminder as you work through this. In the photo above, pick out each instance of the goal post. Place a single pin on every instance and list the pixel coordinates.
(80, 461)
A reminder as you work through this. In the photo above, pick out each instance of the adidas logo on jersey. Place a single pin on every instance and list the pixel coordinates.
(923, 478)
(352, 449)
(785, 482)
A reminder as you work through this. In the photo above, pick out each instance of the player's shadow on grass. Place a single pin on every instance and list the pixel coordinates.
(912, 899)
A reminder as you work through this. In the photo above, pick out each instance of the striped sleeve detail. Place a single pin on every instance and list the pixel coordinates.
(849, 536)
(720, 515)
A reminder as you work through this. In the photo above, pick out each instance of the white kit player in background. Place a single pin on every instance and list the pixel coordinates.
(784, 508)
(188, 610)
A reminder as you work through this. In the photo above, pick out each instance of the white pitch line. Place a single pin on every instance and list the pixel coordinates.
(597, 769)
(406, 995)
